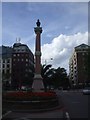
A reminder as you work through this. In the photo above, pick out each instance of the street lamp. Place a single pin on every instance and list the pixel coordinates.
(47, 59)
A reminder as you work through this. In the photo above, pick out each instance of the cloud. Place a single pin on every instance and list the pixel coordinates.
(61, 48)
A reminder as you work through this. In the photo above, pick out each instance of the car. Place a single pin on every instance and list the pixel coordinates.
(86, 91)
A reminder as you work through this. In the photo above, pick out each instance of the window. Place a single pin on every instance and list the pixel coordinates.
(26, 54)
(3, 72)
(26, 60)
(14, 55)
(26, 75)
(18, 59)
(83, 54)
(8, 66)
(13, 64)
(8, 71)
(26, 64)
(3, 61)
(22, 60)
(3, 65)
(8, 61)
(14, 59)
(22, 50)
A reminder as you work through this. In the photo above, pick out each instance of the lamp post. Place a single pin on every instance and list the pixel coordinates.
(45, 60)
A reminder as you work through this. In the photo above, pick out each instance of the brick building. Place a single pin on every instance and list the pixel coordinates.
(22, 65)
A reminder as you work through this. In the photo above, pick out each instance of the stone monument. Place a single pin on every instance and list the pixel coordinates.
(38, 81)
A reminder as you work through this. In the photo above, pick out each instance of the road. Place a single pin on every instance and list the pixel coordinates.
(75, 106)
(75, 103)
(55, 113)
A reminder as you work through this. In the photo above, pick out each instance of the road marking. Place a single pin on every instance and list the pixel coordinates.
(75, 102)
(67, 116)
(6, 113)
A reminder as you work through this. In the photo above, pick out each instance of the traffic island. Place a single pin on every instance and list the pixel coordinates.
(33, 101)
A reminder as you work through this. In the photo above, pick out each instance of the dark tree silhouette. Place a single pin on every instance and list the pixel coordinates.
(54, 77)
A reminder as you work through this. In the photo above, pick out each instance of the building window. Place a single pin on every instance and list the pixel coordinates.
(26, 75)
(26, 60)
(3, 72)
(22, 60)
(8, 66)
(18, 59)
(14, 55)
(27, 55)
(26, 64)
(13, 64)
(3, 61)
(3, 65)
(8, 71)
(14, 59)
(22, 50)
(8, 61)
(18, 54)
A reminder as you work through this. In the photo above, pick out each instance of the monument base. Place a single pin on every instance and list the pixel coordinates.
(38, 85)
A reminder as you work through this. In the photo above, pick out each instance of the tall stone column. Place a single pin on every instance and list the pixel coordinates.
(38, 83)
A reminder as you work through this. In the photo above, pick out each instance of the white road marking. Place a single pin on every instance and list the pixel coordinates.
(75, 102)
(67, 116)
(6, 113)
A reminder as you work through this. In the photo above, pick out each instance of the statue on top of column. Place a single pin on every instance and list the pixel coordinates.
(38, 23)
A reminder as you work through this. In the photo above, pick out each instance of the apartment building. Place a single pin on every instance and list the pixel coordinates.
(22, 65)
(5, 63)
(78, 65)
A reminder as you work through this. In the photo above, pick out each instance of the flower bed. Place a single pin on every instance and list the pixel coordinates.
(23, 96)
(30, 100)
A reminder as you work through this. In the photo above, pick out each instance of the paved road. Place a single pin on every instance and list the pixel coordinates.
(76, 103)
(75, 106)
(56, 113)
(29, 116)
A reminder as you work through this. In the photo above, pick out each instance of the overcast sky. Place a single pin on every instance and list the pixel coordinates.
(64, 24)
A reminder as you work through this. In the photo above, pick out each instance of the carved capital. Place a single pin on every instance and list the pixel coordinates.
(37, 53)
(38, 30)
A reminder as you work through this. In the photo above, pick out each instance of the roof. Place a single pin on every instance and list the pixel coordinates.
(82, 46)
(5, 51)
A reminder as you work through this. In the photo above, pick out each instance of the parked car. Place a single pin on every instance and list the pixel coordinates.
(25, 88)
(86, 91)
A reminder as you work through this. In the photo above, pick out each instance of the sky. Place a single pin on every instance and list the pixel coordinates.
(64, 24)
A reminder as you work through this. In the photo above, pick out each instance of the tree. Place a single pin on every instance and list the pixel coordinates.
(60, 78)
(54, 77)
(47, 73)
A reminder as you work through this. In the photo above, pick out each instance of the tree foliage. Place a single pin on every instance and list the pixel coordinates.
(54, 77)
